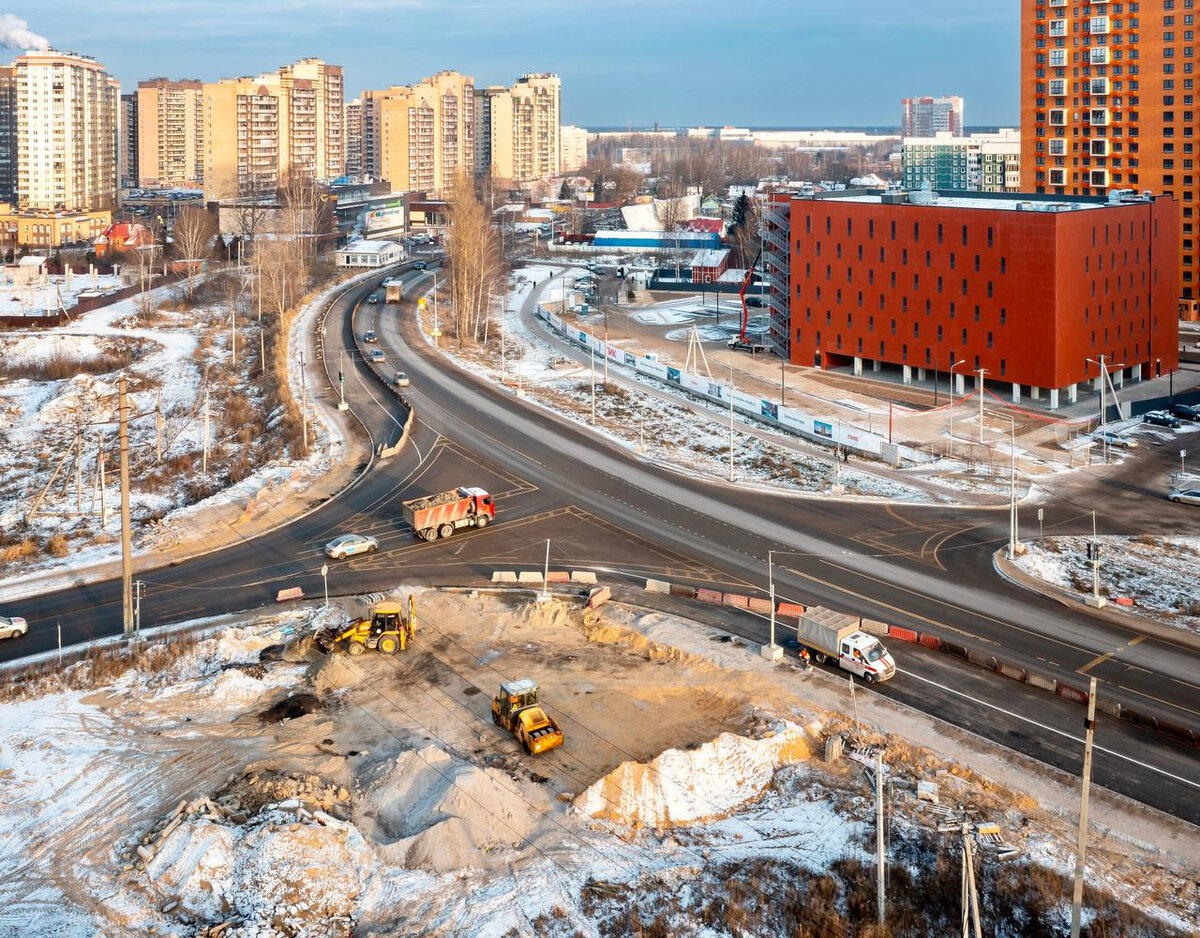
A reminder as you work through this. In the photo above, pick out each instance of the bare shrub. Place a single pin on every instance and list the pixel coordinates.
(60, 366)
(56, 545)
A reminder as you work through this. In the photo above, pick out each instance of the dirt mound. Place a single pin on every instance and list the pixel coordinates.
(706, 783)
(262, 786)
(548, 615)
(434, 812)
(608, 633)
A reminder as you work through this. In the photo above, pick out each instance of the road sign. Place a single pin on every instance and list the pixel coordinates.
(421, 303)
(324, 569)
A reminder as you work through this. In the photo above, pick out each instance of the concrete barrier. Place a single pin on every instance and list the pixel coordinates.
(958, 651)
(292, 592)
(529, 576)
(930, 641)
(1123, 601)
(683, 591)
(1181, 734)
(760, 605)
(737, 600)
(1045, 683)
(979, 658)
(709, 596)
(874, 627)
(658, 586)
(558, 576)
(1011, 671)
(504, 576)
(598, 597)
(790, 609)
(583, 576)
(1111, 707)
(1070, 693)
(902, 634)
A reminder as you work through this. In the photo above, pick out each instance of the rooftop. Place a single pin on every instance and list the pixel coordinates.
(369, 247)
(711, 258)
(988, 201)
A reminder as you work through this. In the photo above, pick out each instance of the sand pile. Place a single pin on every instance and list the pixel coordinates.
(704, 784)
(433, 812)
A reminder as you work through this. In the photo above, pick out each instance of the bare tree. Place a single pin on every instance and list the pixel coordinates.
(194, 231)
(672, 212)
(475, 263)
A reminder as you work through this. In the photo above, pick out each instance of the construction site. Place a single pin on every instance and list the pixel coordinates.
(515, 767)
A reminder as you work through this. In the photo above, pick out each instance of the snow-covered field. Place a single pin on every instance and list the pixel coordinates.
(1157, 573)
(53, 293)
(59, 411)
(663, 431)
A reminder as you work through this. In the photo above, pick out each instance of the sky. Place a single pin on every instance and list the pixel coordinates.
(777, 63)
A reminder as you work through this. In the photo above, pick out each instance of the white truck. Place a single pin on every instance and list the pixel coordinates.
(829, 634)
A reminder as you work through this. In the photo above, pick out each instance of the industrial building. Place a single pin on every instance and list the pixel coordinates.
(1019, 290)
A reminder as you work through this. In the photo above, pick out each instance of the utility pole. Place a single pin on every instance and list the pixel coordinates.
(204, 462)
(970, 897)
(303, 403)
(880, 858)
(592, 349)
(103, 485)
(982, 372)
(731, 419)
(606, 359)
(137, 606)
(126, 534)
(546, 574)
(1081, 849)
(158, 425)
(1095, 600)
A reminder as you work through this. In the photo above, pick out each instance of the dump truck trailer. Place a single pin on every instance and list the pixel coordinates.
(440, 515)
(837, 635)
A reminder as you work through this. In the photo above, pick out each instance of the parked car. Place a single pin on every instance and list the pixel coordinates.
(377, 355)
(1160, 418)
(401, 379)
(420, 265)
(1186, 496)
(12, 626)
(346, 545)
(369, 336)
(1114, 439)
(1185, 411)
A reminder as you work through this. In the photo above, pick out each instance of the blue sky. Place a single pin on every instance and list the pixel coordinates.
(679, 62)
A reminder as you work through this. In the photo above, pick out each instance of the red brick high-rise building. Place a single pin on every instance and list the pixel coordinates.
(1108, 101)
(1026, 288)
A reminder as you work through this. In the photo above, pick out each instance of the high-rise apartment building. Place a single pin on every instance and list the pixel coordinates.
(8, 134)
(1108, 102)
(980, 162)
(928, 116)
(517, 129)
(572, 148)
(353, 137)
(420, 137)
(257, 131)
(66, 132)
(127, 142)
(170, 133)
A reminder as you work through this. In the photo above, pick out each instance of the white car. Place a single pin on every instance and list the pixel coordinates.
(1184, 496)
(1115, 439)
(377, 355)
(12, 626)
(401, 379)
(347, 545)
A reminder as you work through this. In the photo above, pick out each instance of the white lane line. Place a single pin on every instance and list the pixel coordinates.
(1052, 729)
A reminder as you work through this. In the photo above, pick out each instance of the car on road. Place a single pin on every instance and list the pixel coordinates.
(372, 299)
(1160, 418)
(377, 355)
(347, 545)
(1182, 496)
(1114, 439)
(420, 265)
(1185, 411)
(369, 336)
(12, 626)
(401, 379)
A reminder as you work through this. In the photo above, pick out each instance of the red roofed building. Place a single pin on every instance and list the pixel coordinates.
(122, 236)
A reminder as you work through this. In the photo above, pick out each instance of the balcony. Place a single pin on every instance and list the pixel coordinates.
(1098, 146)
(1057, 117)
(1057, 177)
(1099, 117)
(1099, 26)
(1058, 87)
(1058, 29)
(1098, 178)
(1098, 55)
(1057, 146)
(1058, 58)
(1097, 86)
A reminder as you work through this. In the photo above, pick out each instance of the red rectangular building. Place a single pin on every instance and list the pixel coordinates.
(1027, 288)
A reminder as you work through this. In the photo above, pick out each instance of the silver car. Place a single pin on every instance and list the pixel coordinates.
(12, 626)
(347, 545)
(1186, 496)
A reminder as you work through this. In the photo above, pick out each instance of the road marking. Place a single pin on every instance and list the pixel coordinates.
(1095, 661)
(1051, 729)
(1165, 703)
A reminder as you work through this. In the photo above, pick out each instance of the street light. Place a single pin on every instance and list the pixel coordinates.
(325, 580)
(771, 651)
(952, 367)
(1104, 369)
(1012, 483)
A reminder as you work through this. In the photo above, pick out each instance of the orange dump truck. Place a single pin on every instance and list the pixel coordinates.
(440, 515)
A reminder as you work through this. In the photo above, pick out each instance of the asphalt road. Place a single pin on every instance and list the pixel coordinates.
(602, 508)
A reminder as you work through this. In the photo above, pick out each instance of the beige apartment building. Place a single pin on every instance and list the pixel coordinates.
(517, 129)
(420, 137)
(256, 131)
(572, 148)
(64, 132)
(170, 133)
(353, 137)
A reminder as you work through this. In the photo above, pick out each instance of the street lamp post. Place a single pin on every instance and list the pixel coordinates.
(952, 367)
(771, 651)
(1095, 600)
(1103, 408)
(731, 419)
(982, 372)
(325, 580)
(1012, 483)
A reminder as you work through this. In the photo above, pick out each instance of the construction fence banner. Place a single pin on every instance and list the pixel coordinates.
(834, 433)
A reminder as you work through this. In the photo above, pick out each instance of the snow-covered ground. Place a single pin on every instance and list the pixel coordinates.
(669, 433)
(53, 293)
(1157, 573)
(55, 422)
